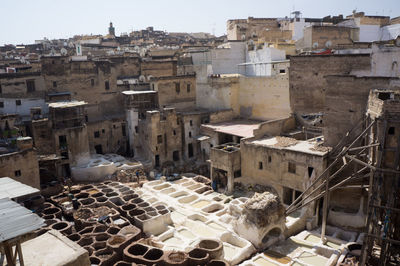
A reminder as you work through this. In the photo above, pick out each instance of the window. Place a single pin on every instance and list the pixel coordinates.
(282, 71)
(157, 160)
(174, 132)
(159, 139)
(177, 87)
(136, 129)
(1, 104)
(190, 150)
(291, 167)
(287, 195)
(188, 87)
(237, 174)
(177, 121)
(190, 134)
(123, 130)
(92, 82)
(107, 85)
(191, 123)
(114, 126)
(17, 102)
(64, 154)
(30, 85)
(175, 156)
(17, 173)
(391, 131)
(99, 149)
(97, 134)
(269, 159)
(310, 171)
(54, 84)
(86, 118)
(1, 90)
(62, 140)
(103, 131)
(260, 165)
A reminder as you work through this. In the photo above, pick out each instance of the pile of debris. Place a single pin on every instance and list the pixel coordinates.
(285, 141)
(263, 209)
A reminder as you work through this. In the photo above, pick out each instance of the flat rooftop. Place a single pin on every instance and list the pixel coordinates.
(240, 128)
(67, 104)
(137, 92)
(283, 143)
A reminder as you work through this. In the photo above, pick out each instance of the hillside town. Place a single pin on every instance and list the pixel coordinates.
(277, 143)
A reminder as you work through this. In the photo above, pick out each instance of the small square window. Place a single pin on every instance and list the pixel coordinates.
(17, 102)
(291, 167)
(391, 131)
(97, 134)
(282, 71)
(17, 173)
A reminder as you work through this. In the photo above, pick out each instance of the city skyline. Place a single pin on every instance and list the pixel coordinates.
(93, 17)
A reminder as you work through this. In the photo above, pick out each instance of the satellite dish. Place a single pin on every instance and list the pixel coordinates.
(315, 45)
(149, 77)
(142, 78)
(397, 42)
(63, 51)
(328, 44)
(142, 53)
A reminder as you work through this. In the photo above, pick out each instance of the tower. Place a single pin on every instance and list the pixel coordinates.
(111, 30)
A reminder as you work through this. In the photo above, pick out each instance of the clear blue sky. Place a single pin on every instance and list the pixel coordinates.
(23, 21)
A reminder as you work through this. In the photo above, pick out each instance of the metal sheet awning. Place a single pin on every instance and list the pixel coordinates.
(9, 188)
(16, 220)
(202, 137)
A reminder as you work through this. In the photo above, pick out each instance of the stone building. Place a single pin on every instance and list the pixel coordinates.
(17, 155)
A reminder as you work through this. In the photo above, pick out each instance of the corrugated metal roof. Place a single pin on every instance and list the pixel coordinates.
(16, 220)
(10, 188)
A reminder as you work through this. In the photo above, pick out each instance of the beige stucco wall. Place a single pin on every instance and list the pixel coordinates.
(24, 161)
(263, 98)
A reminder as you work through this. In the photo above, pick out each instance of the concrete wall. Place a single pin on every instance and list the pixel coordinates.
(346, 101)
(112, 135)
(10, 106)
(262, 59)
(15, 85)
(317, 37)
(307, 82)
(179, 92)
(385, 61)
(263, 98)
(226, 57)
(25, 162)
(274, 173)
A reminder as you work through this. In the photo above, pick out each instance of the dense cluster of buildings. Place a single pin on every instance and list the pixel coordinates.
(271, 106)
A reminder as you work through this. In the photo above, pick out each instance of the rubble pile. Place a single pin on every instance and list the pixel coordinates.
(263, 209)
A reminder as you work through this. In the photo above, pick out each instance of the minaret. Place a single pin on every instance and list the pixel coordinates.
(111, 30)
